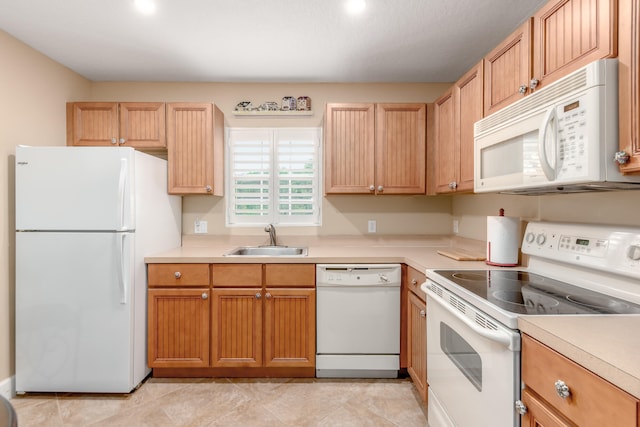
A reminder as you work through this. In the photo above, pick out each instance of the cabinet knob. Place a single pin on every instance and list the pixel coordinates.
(267, 295)
(521, 408)
(372, 188)
(533, 84)
(453, 185)
(208, 188)
(522, 89)
(205, 295)
(621, 157)
(122, 140)
(414, 282)
(423, 314)
(114, 141)
(258, 295)
(562, 389)
(380, 188)
(177, 274)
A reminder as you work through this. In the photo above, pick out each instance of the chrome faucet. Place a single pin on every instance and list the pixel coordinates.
(272, 234)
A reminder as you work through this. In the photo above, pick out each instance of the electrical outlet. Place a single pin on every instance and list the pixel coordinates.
(455, 226)
(371, 226)
(200, 227)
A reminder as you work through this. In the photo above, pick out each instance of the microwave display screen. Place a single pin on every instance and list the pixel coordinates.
(571, 106)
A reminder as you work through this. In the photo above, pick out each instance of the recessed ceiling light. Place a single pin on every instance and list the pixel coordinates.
(355, 6)
(145, 6)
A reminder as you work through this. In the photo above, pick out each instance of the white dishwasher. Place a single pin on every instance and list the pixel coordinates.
(358, 320)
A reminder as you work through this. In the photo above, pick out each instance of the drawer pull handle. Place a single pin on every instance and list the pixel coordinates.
(414, 282)
(521, 408)
(562, 389)
(178, 274)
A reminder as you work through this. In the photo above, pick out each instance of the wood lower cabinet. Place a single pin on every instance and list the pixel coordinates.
(140, 125)
(375, 148)
(269, 326)
(195, 148)
(178, 316)
(455, 114)
(629, 81)
(416, 331)
(588, 399)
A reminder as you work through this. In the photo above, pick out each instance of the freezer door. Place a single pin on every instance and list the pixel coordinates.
(74, 312)
(75, 188)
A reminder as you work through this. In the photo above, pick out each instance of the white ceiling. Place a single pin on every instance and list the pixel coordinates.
(265, 40)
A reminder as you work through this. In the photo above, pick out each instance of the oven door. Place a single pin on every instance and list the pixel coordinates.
(473, 365)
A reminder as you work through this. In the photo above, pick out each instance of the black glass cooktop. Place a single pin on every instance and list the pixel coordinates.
(528, 293)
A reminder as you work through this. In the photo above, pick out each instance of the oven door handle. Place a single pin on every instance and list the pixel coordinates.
(501, 337)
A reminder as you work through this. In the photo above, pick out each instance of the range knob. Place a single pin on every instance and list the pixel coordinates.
(633, 252)
(541, 239)
(530, 237)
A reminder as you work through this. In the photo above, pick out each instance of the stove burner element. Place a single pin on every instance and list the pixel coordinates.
(598, 302)
(470, 276)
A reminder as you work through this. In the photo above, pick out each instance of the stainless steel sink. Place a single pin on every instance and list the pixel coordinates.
(267, 251)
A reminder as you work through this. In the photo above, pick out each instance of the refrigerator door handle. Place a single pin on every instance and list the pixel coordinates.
(121, 273)
(121, 192)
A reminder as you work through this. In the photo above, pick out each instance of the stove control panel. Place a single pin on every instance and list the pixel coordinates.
(609, 248)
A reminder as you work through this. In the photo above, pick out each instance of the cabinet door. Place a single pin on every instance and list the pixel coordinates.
(142, 125)
(629, 80)
(507, 70)
(349, 148)
(236, 321)
(539, 414)
(178, 328)
(401, 148)
(289, 327)
(191, 146)
(92, 123)
(446, 147)
(468, 97)
(417, 343)
(568, 34)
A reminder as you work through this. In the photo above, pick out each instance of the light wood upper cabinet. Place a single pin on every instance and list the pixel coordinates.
(140, 125)
(455, 114)
(589, 400)
(629, 81)
(195, 144)
(375, 149)
(507, 70)
(569, 34)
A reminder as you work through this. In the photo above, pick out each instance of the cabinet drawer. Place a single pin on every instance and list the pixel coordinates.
(286, 275)
(592, 400)
(414, 279)
(178, 275)
(236, 275)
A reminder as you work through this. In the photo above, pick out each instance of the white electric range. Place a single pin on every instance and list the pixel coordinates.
(473, 352)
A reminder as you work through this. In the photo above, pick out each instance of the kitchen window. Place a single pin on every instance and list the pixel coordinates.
(273, 176)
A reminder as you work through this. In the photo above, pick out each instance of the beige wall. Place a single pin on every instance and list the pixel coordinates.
(33, 92)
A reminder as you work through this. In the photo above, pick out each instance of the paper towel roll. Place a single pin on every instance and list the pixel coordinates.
(503, 237)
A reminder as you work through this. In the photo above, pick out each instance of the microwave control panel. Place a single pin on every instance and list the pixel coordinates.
(572, 139)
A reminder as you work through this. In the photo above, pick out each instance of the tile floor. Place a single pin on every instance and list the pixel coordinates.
(233, 402)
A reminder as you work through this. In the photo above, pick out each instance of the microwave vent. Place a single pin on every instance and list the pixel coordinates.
(553, 92)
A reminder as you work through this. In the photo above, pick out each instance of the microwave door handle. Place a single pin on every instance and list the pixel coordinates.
(547, 168)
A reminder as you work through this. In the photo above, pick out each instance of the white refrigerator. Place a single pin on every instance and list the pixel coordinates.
(85, 219)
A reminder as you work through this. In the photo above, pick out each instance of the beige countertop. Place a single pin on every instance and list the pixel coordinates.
(419, 252)
(608, 346)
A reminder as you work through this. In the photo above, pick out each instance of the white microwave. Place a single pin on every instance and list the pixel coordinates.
(562, 138)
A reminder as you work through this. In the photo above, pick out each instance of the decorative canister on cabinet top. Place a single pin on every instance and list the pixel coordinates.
(288, 103)
(304, 103)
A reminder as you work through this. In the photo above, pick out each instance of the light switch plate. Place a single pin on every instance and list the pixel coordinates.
(371, 226)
